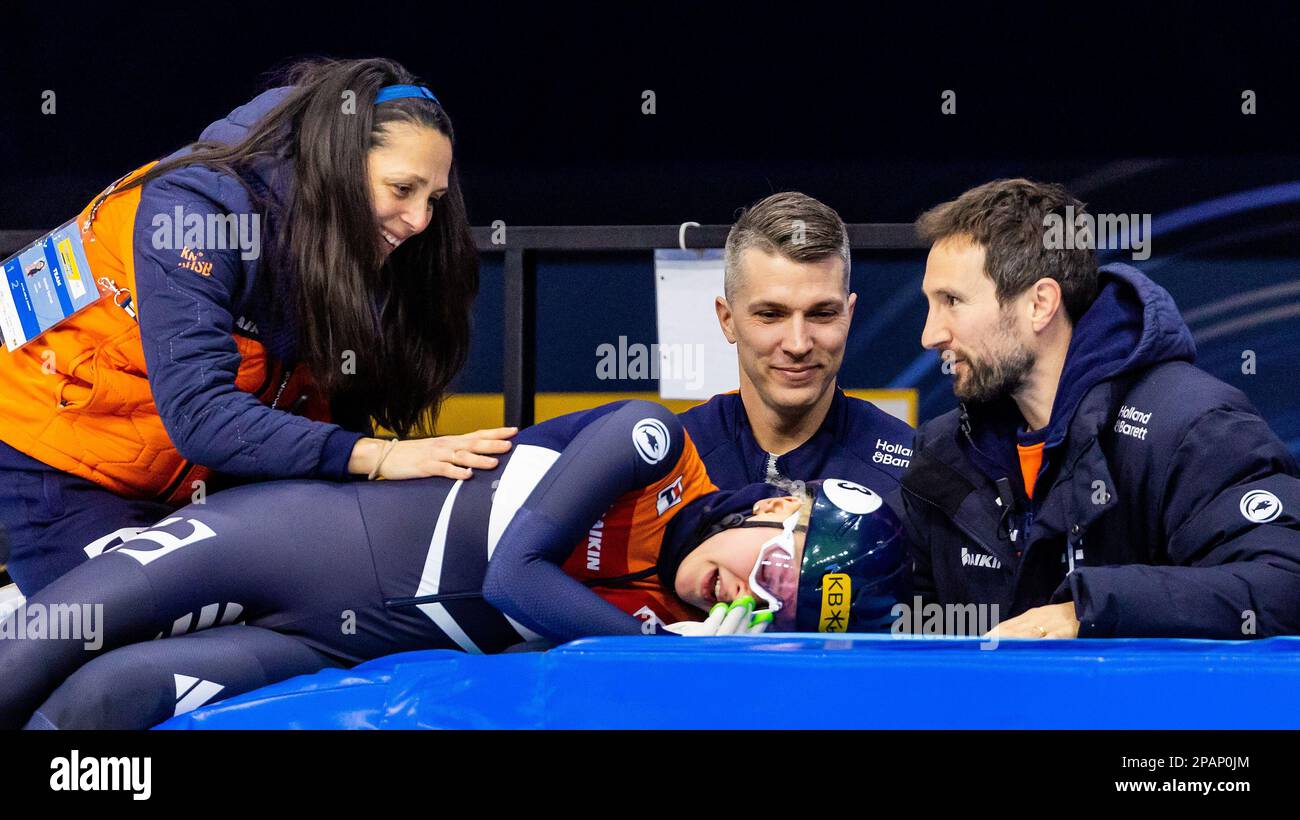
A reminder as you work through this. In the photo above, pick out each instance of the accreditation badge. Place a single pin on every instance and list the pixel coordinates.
(45, 283)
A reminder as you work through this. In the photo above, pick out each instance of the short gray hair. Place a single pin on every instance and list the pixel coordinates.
(791, 224)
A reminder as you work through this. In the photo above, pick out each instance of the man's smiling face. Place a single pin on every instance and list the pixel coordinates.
(790, 322)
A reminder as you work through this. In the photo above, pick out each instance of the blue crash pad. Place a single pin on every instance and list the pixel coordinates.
(795, 682)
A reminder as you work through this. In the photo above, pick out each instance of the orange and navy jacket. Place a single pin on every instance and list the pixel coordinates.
(145, 408)
(630, 468)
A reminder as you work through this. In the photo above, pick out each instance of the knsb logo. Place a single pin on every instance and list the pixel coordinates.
(650, 437)
(669, 496)
(193, 260)
(837, 591)
(1260, 506)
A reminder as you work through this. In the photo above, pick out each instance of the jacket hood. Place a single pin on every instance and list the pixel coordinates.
(1133, 324)
(272, 174)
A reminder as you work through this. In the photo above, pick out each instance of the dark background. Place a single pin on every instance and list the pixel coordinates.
(1136, 108)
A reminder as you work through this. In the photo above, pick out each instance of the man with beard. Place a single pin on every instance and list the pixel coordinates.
(1093, 482)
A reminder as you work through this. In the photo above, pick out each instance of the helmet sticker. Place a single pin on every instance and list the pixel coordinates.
(650, 437)
(851, 497)
(837, 592)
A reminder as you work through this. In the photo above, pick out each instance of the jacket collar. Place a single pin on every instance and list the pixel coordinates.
(806, 459)
(944, 472)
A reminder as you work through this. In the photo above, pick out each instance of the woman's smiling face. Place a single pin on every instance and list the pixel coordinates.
(719, 568)
(408, 171)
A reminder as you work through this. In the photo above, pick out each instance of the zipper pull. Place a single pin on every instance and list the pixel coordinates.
(772, 475)
(287, 373)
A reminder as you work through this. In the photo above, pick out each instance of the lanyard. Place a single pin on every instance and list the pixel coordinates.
(121, 296)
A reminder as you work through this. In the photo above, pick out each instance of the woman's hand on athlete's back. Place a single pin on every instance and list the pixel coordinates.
(446, 456)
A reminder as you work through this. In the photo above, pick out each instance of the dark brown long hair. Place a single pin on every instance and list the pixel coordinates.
(405, 319)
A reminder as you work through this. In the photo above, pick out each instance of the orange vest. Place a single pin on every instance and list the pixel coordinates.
(77, 398)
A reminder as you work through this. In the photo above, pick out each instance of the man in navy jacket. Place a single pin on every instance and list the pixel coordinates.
(1093, 482)
(787, 308)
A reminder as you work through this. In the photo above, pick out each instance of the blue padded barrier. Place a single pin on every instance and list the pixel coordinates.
(795, 682)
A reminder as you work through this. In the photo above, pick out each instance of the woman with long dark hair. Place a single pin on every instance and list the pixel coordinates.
(308, 258)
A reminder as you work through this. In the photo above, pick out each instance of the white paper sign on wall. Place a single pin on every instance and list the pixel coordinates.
(695, 359)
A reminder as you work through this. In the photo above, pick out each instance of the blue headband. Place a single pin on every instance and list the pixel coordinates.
(398, 92)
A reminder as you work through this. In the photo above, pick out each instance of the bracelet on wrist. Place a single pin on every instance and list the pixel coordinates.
(388, 448)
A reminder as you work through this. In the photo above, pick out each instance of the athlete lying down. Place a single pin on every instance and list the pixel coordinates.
(268, 581)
